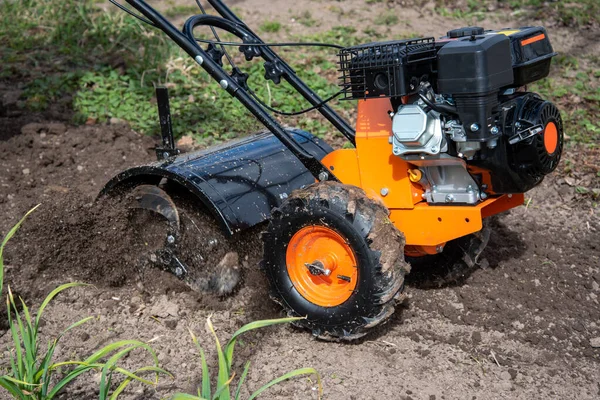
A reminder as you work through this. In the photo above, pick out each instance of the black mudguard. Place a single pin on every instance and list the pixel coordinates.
(240, 182)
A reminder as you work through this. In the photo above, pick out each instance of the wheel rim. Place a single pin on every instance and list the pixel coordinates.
(321, 266)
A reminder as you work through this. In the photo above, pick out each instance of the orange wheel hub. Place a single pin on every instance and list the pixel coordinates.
(550, 137)
(321, 266)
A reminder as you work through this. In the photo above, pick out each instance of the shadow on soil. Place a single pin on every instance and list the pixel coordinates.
(449, 270)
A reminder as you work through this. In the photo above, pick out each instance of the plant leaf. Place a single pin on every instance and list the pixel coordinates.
(52, 295)
(223, 376)
(11, 388)
(129, 379)
(223, 389)
(241, 382)
(7, 237)
(205, 373)
(292, 374)
(185, 396)
(229, 347)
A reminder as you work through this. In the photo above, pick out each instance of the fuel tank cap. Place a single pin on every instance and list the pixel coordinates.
(465, 31)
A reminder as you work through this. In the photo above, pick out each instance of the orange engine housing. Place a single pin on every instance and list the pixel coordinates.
(384, 176)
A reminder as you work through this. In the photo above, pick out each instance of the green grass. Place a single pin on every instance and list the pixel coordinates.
(571, 85)
(225, 389)
(387, 18)
(306, 19)
(270, 26)
(102, 65)
(183, 10)
(109, 63)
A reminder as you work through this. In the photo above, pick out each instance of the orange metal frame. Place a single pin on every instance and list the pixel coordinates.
(373, 167)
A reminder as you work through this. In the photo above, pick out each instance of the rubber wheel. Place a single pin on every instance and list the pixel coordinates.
(336, 228)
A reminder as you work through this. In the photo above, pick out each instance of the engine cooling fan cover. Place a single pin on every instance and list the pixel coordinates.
(541, 154)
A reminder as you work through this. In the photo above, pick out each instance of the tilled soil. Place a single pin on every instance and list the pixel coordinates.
(522, 325)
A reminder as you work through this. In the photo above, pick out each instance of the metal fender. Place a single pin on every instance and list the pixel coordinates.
(240, 182)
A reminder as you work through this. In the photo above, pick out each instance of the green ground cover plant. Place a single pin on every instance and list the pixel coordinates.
(224, 389)
(104, 64)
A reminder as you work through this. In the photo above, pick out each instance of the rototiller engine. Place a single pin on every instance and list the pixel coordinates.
(446, 136)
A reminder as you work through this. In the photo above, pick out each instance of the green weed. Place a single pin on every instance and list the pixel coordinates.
(387, 18)
(306, 19)
(9, 236)
(224, 389)
(270, 26)
(186, 10)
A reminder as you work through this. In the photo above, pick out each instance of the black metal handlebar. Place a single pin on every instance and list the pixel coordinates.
(290, 76)
(232, 24)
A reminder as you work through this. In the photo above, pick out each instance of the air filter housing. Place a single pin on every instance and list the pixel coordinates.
(386, 69)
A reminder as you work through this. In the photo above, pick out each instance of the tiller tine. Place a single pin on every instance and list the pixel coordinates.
(153, 198)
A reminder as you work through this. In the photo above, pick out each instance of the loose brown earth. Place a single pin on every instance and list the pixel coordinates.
(521, 326)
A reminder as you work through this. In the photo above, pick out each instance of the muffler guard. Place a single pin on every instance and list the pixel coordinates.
(240, 182)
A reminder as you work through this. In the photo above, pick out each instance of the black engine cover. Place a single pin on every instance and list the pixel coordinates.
(531, 145)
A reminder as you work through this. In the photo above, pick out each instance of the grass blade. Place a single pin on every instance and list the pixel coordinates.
(52, 295)
(223, 389)
(117, 345)
(205, 374)
(292, 374)
(11, 388)
(108, 368)
(242, 379)
(70, 377)
(223, 376)
(248, 327)
(9, 236)
(128, 380)
(185, 396)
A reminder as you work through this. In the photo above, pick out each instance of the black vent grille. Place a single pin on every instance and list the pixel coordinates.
(386, 69)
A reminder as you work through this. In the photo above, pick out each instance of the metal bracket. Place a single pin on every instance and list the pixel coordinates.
(168, 148)
(525, 134)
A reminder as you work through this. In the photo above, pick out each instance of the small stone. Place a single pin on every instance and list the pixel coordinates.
(518, 325)
(185, 142)
(84, 336)
(595, 342)
(336, 381)
(164, 308)
(513, 373)
(505, 376)
(26, 171)
(110, 304)
(476, 337)
(79, 168)
(230, 259)
(595, 286)
(171, 324)
(56, 128)
(117, 121)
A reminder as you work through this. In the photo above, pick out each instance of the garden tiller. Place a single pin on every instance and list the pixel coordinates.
(446, 136)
